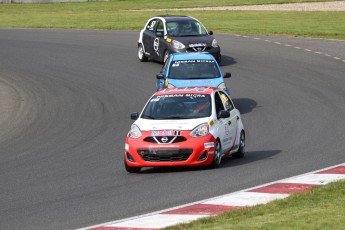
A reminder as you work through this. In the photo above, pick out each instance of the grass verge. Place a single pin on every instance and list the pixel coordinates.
(117, 15)
(320, 208)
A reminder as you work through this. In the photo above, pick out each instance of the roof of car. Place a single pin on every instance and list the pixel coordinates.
(191, 56)
(175, 17)
(186, 90)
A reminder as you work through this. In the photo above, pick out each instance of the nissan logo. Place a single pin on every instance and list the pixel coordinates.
(164, 139)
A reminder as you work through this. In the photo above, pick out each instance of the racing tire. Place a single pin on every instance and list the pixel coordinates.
(217, 157)
(241, 149)
(166, 55)
(141, 53)
(131, 169)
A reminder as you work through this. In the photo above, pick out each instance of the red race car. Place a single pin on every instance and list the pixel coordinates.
(192, 126)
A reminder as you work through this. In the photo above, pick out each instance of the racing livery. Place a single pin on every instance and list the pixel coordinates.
(163, 35)
(191, 69)
(192, 126)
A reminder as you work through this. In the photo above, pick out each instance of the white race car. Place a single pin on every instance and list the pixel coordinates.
(191, 126)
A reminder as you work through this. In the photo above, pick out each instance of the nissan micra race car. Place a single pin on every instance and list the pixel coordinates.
(191, 69)
(194, 126)
(163, 35)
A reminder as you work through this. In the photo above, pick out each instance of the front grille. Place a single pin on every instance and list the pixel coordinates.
(198, 49)
(170, 139)
(166, 155)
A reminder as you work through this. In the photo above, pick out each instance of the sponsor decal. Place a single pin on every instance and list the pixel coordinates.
(211, 122)
(176, 63)
(210, 152)
(165, 133)
(190, 95)
(168, 39)
(228, 139)
(155, 133)
(227, 130)
(209, 145)
(154, 99)
(126, 147)
(156, 44)
(177, 133)
(197, 45)
(163, 146)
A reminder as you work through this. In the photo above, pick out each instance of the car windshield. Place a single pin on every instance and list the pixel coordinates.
(194, 69)
(178, 106)
(185, 28)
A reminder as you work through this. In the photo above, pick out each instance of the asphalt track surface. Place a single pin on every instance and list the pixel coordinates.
(65, 100)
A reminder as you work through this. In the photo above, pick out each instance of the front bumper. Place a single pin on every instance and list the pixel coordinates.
(184, 151)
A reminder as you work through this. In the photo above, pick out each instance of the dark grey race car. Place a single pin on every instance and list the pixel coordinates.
(163, 35)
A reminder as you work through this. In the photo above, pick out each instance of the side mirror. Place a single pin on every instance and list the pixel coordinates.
(227, 75)
(159, 34)
(134, 116)
(210, 32)
(160, 76)
(223, 114)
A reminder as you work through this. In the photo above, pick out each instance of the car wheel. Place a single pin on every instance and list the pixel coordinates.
(240, 152)
(217, 157)
(166, 55)
(131, 169)
(141, 53)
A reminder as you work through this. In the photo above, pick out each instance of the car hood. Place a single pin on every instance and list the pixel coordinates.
(195, 40)
(214, 82)
(183, 124)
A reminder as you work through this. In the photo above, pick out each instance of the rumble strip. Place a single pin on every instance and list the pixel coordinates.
(249, 197)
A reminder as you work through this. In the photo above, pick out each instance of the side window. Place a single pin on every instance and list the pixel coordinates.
(151, 25)
(218, 103)
(172, 28)
(160, 26)
(226, 101)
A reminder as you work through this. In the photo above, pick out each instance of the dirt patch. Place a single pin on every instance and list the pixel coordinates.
(306, 6)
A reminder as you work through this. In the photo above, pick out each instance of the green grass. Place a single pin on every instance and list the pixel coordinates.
(117, 15)
(320, 208)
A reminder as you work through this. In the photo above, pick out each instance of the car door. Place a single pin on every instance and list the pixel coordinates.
(231, 126)
(149, 37)
(159, 43)
(223, 125)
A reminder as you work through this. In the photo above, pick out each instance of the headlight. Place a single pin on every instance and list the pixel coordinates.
(200, 130)
(134, 132)
(178, 45)
(222, 86)
(214, 43)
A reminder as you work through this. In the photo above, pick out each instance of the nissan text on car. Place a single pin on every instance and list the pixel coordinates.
(193, 126)
(191, 69)
(163, 35)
